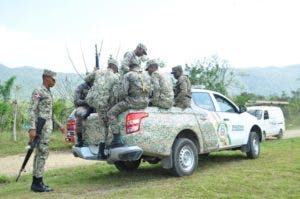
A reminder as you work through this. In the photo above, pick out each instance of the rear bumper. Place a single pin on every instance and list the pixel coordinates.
(126, 153)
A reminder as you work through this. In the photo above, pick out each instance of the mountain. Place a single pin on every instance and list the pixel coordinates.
(269, 80)
(261, 81)
(29, 78)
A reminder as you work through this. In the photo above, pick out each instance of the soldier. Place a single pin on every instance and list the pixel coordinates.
(41, 105)
(133, 56)
(82, 108)
(161, 91)
(135, 91)
(182, 90)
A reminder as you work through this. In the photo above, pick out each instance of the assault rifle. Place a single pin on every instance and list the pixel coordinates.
(97, 57)
(39, 126)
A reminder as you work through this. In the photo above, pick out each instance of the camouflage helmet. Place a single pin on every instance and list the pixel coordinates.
(142, 46)
(113, 61)
(176, 68)
(151, 62)
(49, 73)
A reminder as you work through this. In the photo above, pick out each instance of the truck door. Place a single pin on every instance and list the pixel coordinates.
(207, 121)
(233, 123)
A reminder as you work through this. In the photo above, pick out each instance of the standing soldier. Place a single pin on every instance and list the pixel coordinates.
(135, 91)
(182, 90)
(41, 105)
(161, 94)
(133, 57)
(82, 108)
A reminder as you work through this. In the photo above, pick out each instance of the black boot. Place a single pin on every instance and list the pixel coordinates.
(101, 154)
(79, 140)
(38, 185)
(116, 142)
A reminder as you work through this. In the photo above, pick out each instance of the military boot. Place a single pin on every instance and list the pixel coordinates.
(116, 142)
(101, 154)
(38, 185)
(79, 140)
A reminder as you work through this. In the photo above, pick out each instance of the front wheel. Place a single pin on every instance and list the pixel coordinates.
(253, 146)
(127, 165)
(184, 157)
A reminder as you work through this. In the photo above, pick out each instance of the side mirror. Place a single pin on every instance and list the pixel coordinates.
(242, 108)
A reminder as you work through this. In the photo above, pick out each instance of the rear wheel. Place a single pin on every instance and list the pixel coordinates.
(280, 134)
(253, 146)
(184, 157)
(127, 165)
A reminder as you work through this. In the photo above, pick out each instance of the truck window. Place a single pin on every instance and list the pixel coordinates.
(225, 105)
(203, 100)
(256, 113)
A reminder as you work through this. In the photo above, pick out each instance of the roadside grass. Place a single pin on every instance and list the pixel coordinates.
(228, 174)
(9, 147)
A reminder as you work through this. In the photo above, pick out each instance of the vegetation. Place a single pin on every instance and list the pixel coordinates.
(9, 147)
(211, 72)
(227, 174)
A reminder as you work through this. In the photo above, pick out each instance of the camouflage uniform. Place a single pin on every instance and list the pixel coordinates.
(182, 92)
(134, 94)
(103, 95)
(161, 91)
(82, 108)
(131, 57)
(41, 105)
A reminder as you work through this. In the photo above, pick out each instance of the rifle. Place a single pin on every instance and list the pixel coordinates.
(39, 126)
(97, 58)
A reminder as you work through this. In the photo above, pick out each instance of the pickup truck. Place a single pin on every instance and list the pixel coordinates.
(175, 137)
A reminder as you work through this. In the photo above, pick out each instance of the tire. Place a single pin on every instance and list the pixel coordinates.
(280, 134)
(253, 146)
(184, 157)
(127, 165)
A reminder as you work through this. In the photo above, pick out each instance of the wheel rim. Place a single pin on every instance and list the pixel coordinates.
(186, 158)
(255, 144)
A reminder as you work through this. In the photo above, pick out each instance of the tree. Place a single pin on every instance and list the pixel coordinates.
(5, 89)
(5, 106)
(211, 72)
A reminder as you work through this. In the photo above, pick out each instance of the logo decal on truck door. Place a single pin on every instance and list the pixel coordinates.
(224, 139)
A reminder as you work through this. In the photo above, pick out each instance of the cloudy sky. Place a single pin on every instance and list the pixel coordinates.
(247, 33)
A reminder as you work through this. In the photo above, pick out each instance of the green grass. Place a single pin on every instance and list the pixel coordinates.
(228, 174)
(9, 147)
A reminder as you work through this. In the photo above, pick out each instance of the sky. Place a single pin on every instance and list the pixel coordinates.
(246, 33)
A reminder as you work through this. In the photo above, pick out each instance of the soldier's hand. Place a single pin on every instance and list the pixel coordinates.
(32, 135)
(63, 130)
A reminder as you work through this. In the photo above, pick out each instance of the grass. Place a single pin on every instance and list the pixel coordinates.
(228, 174)
(9, 147)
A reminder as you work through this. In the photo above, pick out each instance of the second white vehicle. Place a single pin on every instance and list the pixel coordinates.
(270, 119)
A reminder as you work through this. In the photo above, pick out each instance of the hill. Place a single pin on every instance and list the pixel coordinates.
(29, 78)
(261, 81)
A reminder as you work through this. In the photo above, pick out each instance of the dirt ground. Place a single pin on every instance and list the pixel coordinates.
(10, 165)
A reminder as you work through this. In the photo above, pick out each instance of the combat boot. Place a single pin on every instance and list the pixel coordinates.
(116, 142)
(101, 154)
(38, 185)
(79, 140)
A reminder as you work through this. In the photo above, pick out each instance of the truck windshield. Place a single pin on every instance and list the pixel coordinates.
(256, 113)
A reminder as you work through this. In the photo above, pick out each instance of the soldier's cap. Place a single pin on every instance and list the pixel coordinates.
(49, 73)
(176, 68)
(151, 62)
(142, 46)
(113, 61)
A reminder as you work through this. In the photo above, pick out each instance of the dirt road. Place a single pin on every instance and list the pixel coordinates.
(10, 165)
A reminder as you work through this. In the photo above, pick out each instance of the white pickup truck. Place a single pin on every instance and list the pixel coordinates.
(175, 137)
